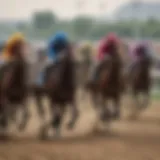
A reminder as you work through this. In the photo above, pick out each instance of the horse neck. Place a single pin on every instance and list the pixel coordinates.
(18, 78)
(143, 68)
(116, 65)
(113, 72)
(67, 73)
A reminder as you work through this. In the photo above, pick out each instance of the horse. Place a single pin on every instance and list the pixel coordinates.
(139, 81)
(13, 92)
(108, 86)
(83, 70)
(60, 88)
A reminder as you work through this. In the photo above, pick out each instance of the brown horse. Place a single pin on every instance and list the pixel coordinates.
(108, 86)
(59, 86)
(13, 92)
(13, 85)
(140, 81)
(83, 70)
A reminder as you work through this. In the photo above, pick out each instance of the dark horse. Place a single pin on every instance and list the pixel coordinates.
(108, 86)
(140, 81)
(59, 87)
(13, 92)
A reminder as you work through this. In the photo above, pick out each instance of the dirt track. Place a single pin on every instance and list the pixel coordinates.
(125, 140)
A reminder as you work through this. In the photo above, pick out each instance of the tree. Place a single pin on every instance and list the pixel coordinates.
(82, 26)
(43, 19)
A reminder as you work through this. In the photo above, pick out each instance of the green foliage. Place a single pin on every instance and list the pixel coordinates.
(45, 23)
(43, 20)
(82, 26)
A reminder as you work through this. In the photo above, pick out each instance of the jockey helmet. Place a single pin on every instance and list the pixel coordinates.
(60, 39)
(13, 41)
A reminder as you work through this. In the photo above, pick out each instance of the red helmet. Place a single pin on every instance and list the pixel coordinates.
(112, 39)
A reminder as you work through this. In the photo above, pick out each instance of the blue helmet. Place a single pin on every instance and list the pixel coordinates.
(59, 37)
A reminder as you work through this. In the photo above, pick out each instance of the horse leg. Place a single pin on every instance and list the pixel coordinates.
(99, 106)
(13, 113)
(25, 116)
(136, 106)
(105, 113)
(38, 98)
(75, 115)
(57, 118)
(4, 112)
(95, 100)
(116, 114)
(83, 94)
(54, 122)
(3, 116)
(146, 101)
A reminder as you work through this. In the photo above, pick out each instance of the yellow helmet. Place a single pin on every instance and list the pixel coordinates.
(87, 45)
(14, 39)
(86, 48)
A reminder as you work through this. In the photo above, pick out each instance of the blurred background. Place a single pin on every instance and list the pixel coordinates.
(90, 20)
(81, 19)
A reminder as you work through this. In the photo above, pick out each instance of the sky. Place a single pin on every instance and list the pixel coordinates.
(23, 9)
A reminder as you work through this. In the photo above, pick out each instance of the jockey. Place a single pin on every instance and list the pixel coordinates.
(140, 51)
(108, 47)
(86, 51)
(86, 48)
(14, 47)
(57, 44)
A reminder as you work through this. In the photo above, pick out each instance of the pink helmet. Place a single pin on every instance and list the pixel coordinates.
(107, 45)
(112, 39)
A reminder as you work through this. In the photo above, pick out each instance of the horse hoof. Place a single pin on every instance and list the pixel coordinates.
(57, 134)
(116, 116)
(105, 117)
(13, 119)
(42, 114)
(43, 135)
(142, 108)
(4, 137)
(70, 126)
(21, 127)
